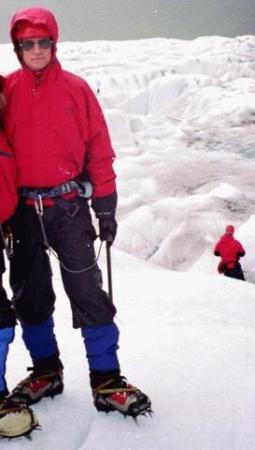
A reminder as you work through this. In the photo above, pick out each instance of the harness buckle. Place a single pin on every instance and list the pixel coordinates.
(38, 205)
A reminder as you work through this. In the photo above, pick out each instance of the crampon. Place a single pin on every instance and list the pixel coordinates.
(16, 419)
(39, 385)
(118, 395)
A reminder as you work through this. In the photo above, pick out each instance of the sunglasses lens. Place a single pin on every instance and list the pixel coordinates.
(28, 44)
(45, 43)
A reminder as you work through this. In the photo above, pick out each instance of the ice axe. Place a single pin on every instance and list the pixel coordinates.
(109, 265)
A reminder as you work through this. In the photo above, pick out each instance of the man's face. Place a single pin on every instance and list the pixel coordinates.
(36, 52)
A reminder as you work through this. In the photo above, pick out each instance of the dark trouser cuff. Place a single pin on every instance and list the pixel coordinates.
(7, 314)
(53, 362)
(3, 394)
(98, 377)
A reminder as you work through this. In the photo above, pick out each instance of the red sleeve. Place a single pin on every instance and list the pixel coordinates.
(241, 249)
(217, 249)
(8, 193)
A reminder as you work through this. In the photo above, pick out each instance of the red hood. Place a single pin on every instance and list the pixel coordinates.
(35, 15)
(2, 81)
(226, 238)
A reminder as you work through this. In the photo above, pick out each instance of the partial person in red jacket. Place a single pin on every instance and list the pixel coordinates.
(62, 148)
(15, 418)
(230, 250)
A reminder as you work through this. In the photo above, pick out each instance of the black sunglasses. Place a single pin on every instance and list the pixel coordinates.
(28, 44)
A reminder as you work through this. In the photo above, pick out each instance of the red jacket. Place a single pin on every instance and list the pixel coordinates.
(56, 125)
(8, 194)
(229, 249)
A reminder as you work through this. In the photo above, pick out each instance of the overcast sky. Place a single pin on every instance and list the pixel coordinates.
(134, 19)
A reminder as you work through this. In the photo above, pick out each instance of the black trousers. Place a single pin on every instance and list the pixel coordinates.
(2, 264)
(236, 272)
(69, 230)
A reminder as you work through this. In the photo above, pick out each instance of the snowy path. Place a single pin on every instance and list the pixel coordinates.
(187, 340)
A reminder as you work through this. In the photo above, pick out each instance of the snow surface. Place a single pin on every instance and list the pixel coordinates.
(182, 120)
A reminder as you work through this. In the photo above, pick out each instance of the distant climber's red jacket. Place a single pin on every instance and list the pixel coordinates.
(56, 126)
(8, 195)
(229, 249)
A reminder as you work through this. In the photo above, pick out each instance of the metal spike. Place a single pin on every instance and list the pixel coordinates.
(135, 420)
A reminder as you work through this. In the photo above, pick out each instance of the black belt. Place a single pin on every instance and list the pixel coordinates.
(83, 188)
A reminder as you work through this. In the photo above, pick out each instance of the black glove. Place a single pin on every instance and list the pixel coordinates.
(105, 208)
(107, 229)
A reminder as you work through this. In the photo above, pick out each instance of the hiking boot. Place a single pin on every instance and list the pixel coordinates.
(39, 385)
(117, 395)
(16, 419)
